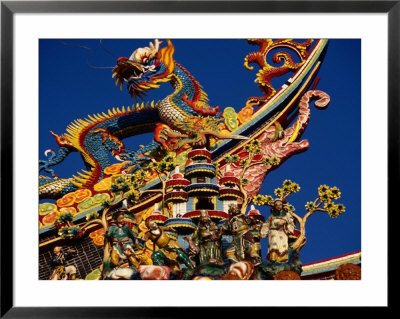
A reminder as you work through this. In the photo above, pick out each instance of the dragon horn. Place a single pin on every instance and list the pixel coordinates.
(156, 45)
(227, 136)
(238, 137)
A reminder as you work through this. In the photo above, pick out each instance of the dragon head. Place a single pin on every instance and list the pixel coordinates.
(145, 68)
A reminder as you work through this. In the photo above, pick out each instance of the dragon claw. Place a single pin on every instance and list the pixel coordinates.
(162, 135)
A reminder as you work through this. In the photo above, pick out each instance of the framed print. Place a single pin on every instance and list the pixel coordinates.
(243, 144)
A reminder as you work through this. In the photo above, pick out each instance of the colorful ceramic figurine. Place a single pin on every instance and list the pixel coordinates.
(125, 243)
(243, 246)
(170, 252)
(61, 270)
(207, 239)
(278, 227)
(256, 220)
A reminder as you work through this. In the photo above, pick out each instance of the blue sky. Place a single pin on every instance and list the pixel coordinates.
(70, 89)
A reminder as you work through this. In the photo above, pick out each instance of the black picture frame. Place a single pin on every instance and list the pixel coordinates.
(9, 8)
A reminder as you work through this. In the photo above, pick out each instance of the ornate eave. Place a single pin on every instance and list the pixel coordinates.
(159, 219)
(177, 183)
(326, 269)
(176, 196)
(229, 193)
(229, 181)
(199, 154)
(181, 225)
(202, 188)
(200, 168)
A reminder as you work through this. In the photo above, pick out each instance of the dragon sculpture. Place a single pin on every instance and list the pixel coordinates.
(174, 118)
